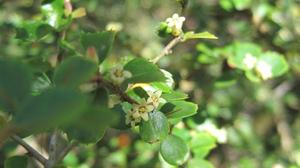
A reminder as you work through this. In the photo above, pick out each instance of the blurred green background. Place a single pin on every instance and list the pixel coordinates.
(260, 120)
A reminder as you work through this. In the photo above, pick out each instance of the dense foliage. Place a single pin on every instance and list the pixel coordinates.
(146, 83)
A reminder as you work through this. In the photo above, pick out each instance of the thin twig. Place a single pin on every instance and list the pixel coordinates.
(66, 151)
(167, 50)
(52, 150)
(114, 88)
(32, 151)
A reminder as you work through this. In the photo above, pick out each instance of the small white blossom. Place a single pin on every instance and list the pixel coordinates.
(131, 118)
(118, 74)
(142, 109)
(154, 98)
(264, 70)
(175, 23)
(249, 61)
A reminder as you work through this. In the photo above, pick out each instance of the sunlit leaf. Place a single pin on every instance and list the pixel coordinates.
(203, 35)
(143, 71)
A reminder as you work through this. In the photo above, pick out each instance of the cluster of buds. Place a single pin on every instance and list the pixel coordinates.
(260, 66)
(172, 25)
(118, 74)
(141, 111)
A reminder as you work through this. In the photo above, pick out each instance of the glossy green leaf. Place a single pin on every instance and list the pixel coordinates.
(182, 109)
(15, 84)
(155, 129)
(91, 126)
(202, 144)
(52, 108)
(102, 41)
(162, 86)
(74, 71)
(174, 150)
(175, 95)
(16, 162)
(203, 35)
(144, 71)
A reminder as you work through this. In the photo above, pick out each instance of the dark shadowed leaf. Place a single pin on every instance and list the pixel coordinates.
(52, 108)
(91, 126)
(102, 41)
(74, 71)
(16, 162)
(15, 83)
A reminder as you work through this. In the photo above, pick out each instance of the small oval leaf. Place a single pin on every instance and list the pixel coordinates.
(174, 150)
(156, 128)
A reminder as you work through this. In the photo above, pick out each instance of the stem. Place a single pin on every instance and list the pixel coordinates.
(52, 150)
(66, 151)
(32, 151)
(114, 88)
(168, 49)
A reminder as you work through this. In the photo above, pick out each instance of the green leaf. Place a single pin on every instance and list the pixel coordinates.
(155, 129)
(74, 71)
(53, 12)
(203, 35)
(277, 62)
(102, 41)
(226, 80)
(202, 143)
(174, 150)
(16, 162)
(144, 71)
(195, 162)
(91, 126)
(162, 86)
(15, 83)
(182, 109)
(52, 108)
(240, 52)
(33, 30)
(175, 95)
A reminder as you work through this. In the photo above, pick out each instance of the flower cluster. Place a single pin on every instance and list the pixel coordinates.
(260, 66)
(175, 23)
(118, 74)
(141, 111)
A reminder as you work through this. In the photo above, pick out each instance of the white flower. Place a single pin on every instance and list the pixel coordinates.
(142, 109)
(131, 118)
(264, 70)
(175, 23)
(249, 61)
(118, 74)
(154, 98)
